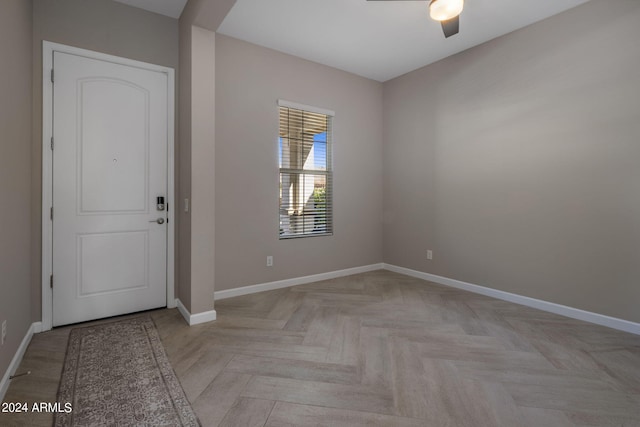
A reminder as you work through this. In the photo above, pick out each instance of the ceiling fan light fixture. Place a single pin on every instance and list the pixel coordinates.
(443, 10)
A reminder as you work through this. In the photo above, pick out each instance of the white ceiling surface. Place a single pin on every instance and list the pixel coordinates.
(376, 39)
(172, 8)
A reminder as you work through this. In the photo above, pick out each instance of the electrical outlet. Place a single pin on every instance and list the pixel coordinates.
(269, 261)
(429, 254)
(4, 331)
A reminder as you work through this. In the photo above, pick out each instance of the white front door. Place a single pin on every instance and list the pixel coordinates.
(109, 168)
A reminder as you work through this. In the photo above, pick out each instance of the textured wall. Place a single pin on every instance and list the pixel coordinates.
(15, 174)
(516, 162)
(249, 81)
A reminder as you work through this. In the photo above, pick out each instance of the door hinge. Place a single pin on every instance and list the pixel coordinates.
(51, 213)
(51, 143)
(52, 75)
(51, 281)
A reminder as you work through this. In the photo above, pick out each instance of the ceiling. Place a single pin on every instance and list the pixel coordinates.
(375, 39)
(172, 8)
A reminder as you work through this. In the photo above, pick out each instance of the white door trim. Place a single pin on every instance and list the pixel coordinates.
(47, 171)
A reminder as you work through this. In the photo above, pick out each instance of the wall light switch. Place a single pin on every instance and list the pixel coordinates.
(4, 331)
(186, 205)
(429, 254)
(269, 261)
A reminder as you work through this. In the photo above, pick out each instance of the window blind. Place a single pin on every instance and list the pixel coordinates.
(306, 181)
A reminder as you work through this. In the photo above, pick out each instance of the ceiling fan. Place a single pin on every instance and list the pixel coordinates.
(445, 11)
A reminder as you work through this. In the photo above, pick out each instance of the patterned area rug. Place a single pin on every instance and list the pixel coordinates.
(118, 374)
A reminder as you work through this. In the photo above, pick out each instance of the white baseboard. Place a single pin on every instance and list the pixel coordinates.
(195, 319)
(252, 289)
(35, 328)
(563, 310)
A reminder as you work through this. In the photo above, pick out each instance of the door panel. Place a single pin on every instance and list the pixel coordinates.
(97, 277)
(109, 165)
(114, 146)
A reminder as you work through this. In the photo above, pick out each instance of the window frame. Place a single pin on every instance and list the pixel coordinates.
(328, 173)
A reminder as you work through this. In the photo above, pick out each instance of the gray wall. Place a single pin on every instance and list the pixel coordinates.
(198, 22)
(202, 211)
(517, 162)
(183, 285)
(15, 170)
(103, 26)
(249, 80)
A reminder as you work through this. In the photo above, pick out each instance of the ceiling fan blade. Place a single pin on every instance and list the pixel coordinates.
(451, 26)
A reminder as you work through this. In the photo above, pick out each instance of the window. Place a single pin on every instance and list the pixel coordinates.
(304, 147)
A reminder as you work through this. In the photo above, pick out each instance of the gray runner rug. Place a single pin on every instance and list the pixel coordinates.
(118, 374)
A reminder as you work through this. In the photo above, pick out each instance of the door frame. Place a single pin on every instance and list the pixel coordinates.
(48, 48)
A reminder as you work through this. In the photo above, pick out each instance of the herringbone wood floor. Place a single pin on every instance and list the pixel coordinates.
(380, 349)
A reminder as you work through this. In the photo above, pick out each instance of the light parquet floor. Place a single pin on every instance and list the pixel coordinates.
(380, 349)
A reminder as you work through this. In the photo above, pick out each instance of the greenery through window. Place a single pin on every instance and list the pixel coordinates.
(304, 147)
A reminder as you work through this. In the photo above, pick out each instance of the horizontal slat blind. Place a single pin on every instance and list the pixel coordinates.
(305, 173)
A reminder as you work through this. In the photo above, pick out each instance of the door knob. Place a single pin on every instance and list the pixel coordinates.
(159, 220)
